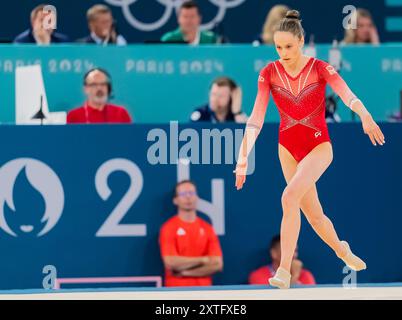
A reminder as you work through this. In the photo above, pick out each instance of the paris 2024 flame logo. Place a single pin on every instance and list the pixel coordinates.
(42, 181)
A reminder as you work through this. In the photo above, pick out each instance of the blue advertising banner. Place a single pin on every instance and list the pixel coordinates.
(164, 83)
(88, 201)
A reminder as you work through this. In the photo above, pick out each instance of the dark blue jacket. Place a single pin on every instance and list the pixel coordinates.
(205, 113)
(87, 39)
(27, 37)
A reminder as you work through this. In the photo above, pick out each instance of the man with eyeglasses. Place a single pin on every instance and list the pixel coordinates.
(96, 109)
(190, 249)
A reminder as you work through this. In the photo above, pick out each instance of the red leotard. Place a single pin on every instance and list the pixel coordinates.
(301, 103)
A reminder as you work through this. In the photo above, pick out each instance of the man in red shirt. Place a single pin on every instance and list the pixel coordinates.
(98, 88)
(300, 276)
(189, 246)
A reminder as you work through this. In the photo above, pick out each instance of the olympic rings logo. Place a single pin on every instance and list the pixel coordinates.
(171, 5)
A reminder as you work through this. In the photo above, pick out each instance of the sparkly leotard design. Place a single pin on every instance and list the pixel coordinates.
(301, 103)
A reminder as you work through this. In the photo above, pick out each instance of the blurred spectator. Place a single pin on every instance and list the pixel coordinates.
(395, 117)
(189, 20)
(274, 16)
(98, 89)
(331, 106)
(299, 275)
(102, 27)
(225, 100)
(365, 32)
(189, 246)
(39, 33)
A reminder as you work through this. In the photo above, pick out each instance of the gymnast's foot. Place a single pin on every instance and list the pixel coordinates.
(351, 260)
(281, 279)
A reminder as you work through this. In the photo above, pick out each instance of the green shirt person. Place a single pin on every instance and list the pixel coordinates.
(189, 20)
(202, 37)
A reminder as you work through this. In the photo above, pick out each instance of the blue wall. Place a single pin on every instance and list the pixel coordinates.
(241, 23)
(360, 192)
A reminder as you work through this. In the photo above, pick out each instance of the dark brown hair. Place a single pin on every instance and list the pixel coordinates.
(189, 5)
(291, 23)
(225, 82)
(275, 241)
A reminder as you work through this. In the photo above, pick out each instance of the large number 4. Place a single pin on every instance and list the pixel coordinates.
(112, 227)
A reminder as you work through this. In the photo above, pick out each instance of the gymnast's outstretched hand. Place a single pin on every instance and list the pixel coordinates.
(371, 128)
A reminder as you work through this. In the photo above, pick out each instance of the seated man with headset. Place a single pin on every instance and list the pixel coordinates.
(98, 89)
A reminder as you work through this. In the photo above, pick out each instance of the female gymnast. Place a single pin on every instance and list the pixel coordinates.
(297, 83)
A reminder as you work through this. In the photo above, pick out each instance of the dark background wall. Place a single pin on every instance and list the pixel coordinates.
(241, 23)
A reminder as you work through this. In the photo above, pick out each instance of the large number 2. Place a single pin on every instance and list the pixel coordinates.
(112, 227)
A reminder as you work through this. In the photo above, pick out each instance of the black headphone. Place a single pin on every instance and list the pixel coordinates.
(108, 79)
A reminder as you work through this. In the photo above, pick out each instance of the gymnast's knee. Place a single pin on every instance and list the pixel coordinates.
(290, 199)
